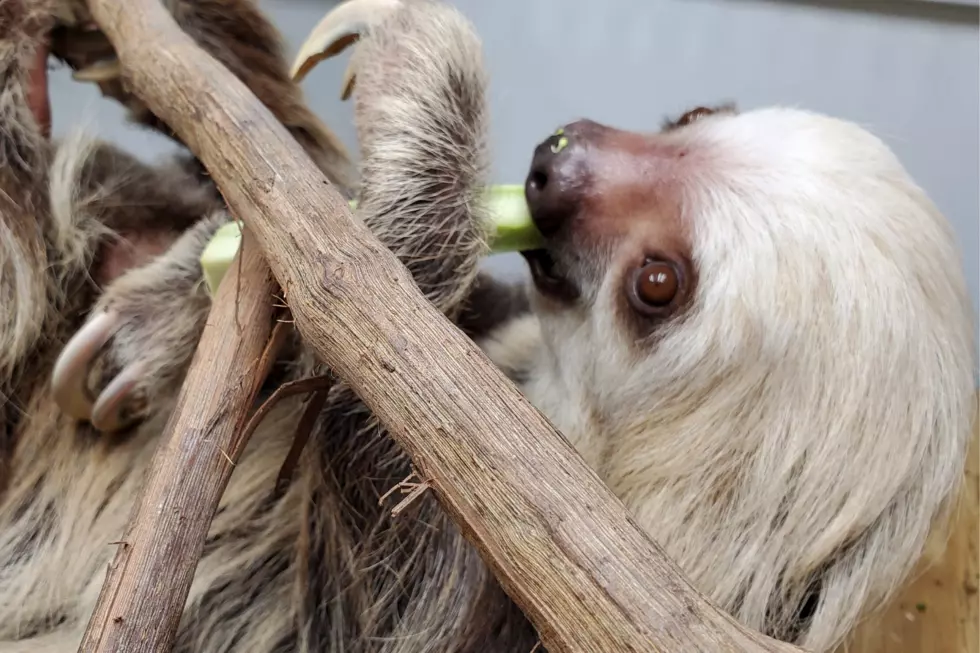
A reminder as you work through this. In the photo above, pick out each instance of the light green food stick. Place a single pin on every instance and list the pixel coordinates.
(219, 254)
(513, 232)
(513, 229)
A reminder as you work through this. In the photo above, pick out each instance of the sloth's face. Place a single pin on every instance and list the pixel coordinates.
(727, 242)
(609, 204)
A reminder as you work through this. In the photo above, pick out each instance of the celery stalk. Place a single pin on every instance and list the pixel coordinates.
(219, 254)
(513, 229)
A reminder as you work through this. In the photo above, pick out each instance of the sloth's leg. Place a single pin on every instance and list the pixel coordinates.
(420, 110)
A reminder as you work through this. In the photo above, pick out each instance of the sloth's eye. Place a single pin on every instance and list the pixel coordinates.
(654, 286)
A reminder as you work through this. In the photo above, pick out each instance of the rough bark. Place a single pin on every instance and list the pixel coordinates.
(148, 580)
(558, 540)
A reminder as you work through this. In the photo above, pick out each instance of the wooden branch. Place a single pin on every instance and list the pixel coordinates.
(558, 540)
(136, 611)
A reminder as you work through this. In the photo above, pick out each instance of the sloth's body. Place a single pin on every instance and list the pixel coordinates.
(787, 420)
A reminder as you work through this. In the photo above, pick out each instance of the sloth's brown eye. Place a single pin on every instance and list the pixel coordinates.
(655, 285)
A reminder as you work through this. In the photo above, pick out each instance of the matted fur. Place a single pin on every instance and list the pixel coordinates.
(789, 441)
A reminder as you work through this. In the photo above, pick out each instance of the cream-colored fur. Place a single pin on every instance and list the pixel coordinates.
(811, 414)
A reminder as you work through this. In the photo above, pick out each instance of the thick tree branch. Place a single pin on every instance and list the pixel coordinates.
(558, 540)
(148, 581)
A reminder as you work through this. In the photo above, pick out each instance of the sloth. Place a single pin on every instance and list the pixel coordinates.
(753, 326)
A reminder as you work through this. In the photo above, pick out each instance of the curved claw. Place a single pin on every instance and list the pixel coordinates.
(109, 414)
(339, 29)
(71, 369)
(106, 70)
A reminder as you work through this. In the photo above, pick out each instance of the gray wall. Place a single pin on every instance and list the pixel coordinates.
(909, 71)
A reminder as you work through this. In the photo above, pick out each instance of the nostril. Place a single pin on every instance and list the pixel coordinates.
(545, 199)
(538, 179)
(554, 182)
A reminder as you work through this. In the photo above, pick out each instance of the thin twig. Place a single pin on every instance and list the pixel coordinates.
(285, 391)
(302, 435)
(399, 486)
(413, 490)
(413, 495)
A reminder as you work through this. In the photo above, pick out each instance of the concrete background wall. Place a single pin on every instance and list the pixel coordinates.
(908, 71)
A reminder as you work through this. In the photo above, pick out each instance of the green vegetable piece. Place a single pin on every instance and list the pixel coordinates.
(514, 230)
(219, 254)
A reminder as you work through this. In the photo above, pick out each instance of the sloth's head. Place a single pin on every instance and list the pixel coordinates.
(767, 303)
(777, 247)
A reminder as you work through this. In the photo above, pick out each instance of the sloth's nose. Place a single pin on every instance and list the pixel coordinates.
(557, 180)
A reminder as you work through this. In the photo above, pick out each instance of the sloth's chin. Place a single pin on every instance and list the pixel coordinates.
(546, 277)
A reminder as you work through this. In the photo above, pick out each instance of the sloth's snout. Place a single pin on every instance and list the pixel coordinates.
(559, 176)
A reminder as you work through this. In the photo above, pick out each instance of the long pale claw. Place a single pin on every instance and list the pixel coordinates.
(68, 380)
(339, 29)
(109, 414)
(101, 71)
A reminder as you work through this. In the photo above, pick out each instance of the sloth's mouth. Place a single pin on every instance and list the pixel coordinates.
(547, 275)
